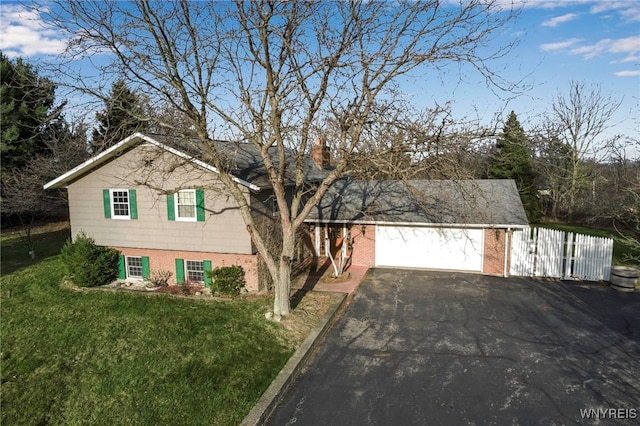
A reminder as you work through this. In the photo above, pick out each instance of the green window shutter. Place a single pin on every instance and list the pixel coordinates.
(106, 198)
(180, 271)
(206, 265)
(122, 270)
(145, 267)
(171, 209)
(200, 204)
(133, 204)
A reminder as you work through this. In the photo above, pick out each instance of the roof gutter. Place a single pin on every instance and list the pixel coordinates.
(439, 225)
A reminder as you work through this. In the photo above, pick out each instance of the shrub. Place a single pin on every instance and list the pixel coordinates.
(89, 264)
(227, 280)
(160, 278)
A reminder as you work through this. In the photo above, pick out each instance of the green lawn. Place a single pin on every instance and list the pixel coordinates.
(622, 250)
(92, 357)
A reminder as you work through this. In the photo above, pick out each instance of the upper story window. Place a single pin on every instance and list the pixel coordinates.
(120, 204)
(186, 205)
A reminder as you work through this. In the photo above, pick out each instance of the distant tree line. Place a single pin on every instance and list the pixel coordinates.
(566, 167)
(561, 173)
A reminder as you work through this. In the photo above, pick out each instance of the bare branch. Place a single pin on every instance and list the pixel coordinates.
(271, 74)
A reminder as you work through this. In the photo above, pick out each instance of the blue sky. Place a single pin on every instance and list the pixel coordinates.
(595, 42)
(592, 41)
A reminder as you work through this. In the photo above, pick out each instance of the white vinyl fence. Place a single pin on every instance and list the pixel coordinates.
(542, 252)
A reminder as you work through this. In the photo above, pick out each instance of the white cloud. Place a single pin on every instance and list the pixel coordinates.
(632, 14)
(561, 45)
(628, 45)
(628, 73)
(628, 10)
(633, 57)
(593, 50)
(25, 33)
(554, 22)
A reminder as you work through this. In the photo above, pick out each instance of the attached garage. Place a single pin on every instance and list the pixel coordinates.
(429, 224)
(430, 248)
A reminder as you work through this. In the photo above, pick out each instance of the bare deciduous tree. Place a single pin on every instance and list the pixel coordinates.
(269, 73)
(580, 119)
(406, 143)
(22, 194)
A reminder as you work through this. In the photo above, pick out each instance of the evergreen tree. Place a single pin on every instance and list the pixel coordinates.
(28, 113)
(121, 117)
(513, 160)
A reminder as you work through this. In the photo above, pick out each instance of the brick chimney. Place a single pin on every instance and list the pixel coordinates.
(320, 154)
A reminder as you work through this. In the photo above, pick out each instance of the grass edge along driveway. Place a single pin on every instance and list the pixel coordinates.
(72, 358)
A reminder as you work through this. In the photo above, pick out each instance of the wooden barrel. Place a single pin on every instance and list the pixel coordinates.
(623, 278)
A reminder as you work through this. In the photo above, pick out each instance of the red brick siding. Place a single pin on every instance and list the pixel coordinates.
(364, 245)
(164, 260)
(494, 241)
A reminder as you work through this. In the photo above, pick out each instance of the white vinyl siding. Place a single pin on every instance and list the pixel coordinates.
(152, 230)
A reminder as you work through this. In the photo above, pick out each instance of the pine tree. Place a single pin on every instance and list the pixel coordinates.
(513, 160)
(121, 118)
(27, 112)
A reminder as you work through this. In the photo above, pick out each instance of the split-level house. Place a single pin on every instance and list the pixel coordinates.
(164, 208)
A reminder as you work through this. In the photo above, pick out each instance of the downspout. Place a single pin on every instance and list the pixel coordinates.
(327, 242)
(344, 241)
(318, 242)
(506, 251)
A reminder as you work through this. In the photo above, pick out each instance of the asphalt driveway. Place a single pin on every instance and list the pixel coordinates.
(417, 347)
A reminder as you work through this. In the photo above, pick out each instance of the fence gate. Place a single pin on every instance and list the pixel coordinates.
(543, 252)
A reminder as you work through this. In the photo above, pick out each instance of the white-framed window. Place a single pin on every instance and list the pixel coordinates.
(134, 267)
(120, 204)
(185, 204)
(194, 270)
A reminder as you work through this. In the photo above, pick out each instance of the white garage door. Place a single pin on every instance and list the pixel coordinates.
(429, 248)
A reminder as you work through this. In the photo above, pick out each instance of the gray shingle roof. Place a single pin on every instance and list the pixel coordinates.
(432, 202)
(243, 160)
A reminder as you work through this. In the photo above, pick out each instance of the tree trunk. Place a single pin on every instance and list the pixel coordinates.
(282, 289)
(282, 284)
